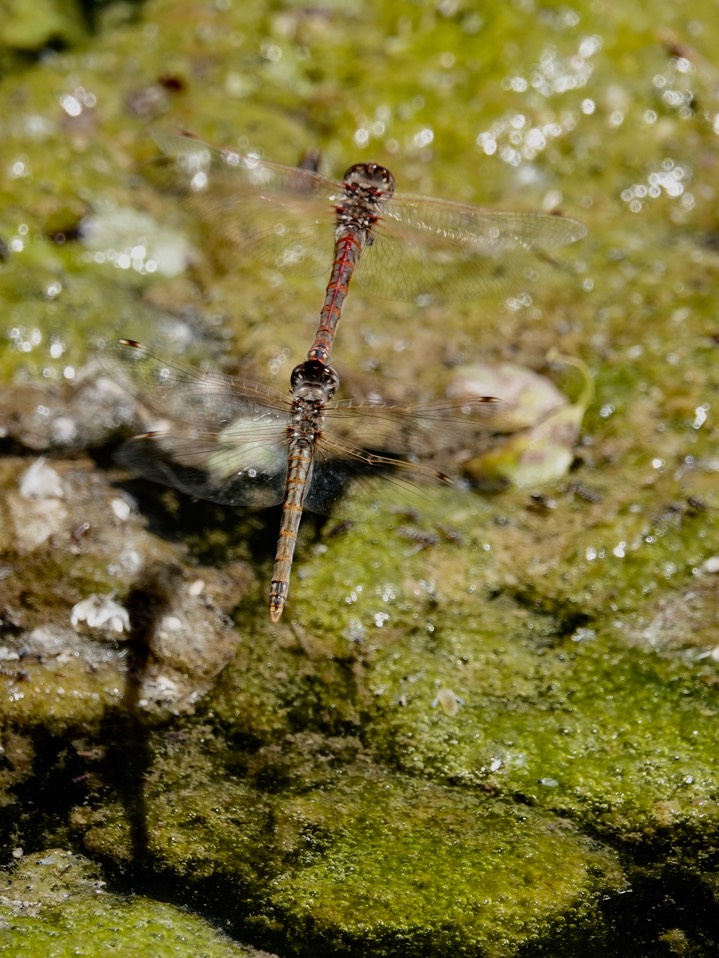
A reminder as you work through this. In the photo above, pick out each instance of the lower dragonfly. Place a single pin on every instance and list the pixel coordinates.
(239, 443)
(414, 248)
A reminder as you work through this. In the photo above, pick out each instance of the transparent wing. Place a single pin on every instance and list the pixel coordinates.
(420, 433)
(181, 392)
(226, 440)
(364, 486)
(220, 438)
(366, 443)
(433, 251)
(423, 249)
(280, 215)
(205, 468)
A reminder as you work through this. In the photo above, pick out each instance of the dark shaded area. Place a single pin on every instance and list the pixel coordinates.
(81, 17)
(214, 535)
(44, 799)
(563, 617)
(666, 912)
(128, 757)
(91, 10)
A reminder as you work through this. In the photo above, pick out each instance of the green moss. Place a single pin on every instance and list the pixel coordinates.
(32, 26)
(435, 869)
(364, 857)
(54, 903)
(617, 737)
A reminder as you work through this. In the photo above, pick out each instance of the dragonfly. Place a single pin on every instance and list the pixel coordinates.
(406, 247)
(241, 444)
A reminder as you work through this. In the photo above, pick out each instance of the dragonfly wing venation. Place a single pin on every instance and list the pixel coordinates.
(481, 231)
(197, 162)
(227, 440)
(363, 486)
(418, 432)
(423, 249)
(208, 469)
(283, 215)
(435, 251)
(221, 439)
(391, 450)
(204, 400)
(279, 234)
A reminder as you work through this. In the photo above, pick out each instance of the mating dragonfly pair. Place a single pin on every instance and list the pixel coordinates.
(238, 443)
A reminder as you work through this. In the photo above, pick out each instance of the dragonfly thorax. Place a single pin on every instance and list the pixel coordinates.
(367, 187)
(313, 385)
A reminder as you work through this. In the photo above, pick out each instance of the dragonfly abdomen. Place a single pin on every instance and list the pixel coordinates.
(313, 385)
(299, 469)
(347, 253)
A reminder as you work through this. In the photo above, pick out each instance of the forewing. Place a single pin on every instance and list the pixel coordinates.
(220, 438)
(433, 251)
(185, 394)
(204, 467)
(420, 433)
(364, 444)
(279, 215)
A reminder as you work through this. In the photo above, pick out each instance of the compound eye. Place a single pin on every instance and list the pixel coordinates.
(314, 373)
(370, 174)
(331, 381)
(298, 375)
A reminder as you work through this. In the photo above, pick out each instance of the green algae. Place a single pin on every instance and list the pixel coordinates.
(367, 858)
(55, 903)
(32, 26)
(420, 864)
(617, 738)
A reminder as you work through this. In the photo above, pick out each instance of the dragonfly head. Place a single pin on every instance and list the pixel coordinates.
(370, 175)
(314, 373)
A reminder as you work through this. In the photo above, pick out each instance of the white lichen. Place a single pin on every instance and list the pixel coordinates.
(101, 612)
(41, 481)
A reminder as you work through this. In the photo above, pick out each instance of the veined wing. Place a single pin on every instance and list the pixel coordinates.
(364, 442)
(423, 249)
(280, 215)
(217, 438)
(250, 474)
(226, 440)
(186, 394)
(434, 250)
(416, 432)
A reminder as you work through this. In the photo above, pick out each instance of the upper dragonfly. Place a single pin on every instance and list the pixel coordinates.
(239, 443)
(407, 247)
